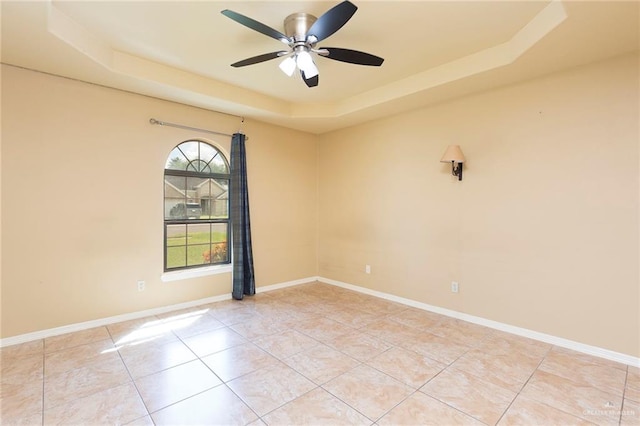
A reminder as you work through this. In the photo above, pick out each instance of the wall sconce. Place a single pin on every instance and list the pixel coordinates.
(454, 155)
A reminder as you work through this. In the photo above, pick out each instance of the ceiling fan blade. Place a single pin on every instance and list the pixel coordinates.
(352, 56)
(259, 58)
(310, 82)
(332, 20)
(255, 25)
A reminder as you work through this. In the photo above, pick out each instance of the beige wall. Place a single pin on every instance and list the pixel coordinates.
(283, 201)
(82, 204)
(542, 232)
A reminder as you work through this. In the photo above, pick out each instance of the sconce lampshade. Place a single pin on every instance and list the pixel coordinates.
(453, 153)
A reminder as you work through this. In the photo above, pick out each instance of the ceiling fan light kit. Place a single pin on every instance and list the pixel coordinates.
(302, 32)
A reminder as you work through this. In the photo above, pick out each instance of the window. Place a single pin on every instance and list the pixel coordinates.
(196, 207)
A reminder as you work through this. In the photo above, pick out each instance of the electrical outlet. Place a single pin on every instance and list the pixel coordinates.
(141, 285)
(367, 269)
(454, 286)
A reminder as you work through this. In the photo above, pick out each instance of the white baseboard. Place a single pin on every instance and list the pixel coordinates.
(554, 340)
(23, 338)
(271, 287)
(547, 338)
(28, 337)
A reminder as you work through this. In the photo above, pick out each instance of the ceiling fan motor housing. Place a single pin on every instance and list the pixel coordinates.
(297, 25)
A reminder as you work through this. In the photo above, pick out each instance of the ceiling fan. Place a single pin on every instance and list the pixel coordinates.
(302, 33)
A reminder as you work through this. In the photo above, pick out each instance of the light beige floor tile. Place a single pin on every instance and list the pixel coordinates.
(321, 363)
(139, 326)
(117, 405)
(20, 402)
(186, 314)
(483, 401)
(151, 357)
(142, 421)
(579, 358)
(630, 413)
(300, 314)
(22, 370)
(421, 409)
(223, 305)
(185, 322)
(258, 327)
(322, 328)
(393, 332)
(304, 303)
(500, 342)
(82, 373)
(79, 356)
(267, 389)
(77, 338)
(508, 370)
(175, 384)
(462, 332)
(285, 343)
(417, 318)
(274, 310)
(283, 320)
(368, 390)
(239, 360)
(29, 419)
(436, 347)
(359, 345)
(198, 324)
(214, 341)
(407, 366)
(217, 406)
(574, 398)
(352, 317)
(80, 382)
(233, 314)
(317, 407)
(22, 350)
(379, 306)
(601, 376)
(632, 390)
(529, 412)
(155, 332)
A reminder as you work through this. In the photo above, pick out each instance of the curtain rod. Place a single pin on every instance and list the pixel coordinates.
(197, 129)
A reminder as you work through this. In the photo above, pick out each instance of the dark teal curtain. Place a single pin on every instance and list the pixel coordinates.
(243, 275)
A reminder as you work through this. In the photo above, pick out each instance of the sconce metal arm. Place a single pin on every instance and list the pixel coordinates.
(456, 171)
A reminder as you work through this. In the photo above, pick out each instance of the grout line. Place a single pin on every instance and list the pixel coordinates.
(135, 385)
(222, 382)
(344, 402)
(289, 402)
(624, 392)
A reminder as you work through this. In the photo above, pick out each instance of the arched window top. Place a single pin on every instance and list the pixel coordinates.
(196, 156)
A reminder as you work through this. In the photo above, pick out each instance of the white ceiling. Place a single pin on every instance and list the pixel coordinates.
(433, 50)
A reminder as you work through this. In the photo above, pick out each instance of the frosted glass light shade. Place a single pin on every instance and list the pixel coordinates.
(305, 63)
(288, 66)
(453, 153)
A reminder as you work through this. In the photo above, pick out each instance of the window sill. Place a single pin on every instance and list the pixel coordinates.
(195, 273)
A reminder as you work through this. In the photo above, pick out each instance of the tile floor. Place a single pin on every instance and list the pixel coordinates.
(312, 354)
